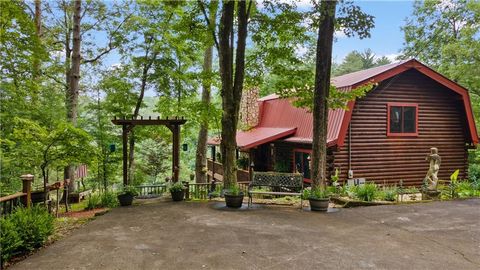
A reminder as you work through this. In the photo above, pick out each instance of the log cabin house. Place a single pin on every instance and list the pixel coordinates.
(382, 137)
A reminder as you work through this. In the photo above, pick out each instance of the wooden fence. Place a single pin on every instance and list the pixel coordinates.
(8, 203)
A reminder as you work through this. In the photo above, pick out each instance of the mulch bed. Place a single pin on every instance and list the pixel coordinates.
(84, 213)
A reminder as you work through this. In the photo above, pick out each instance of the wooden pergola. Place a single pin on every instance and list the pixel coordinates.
(172, 124)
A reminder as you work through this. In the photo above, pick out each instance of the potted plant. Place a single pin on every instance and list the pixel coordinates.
(234, 197)
(126, 197)
(318, 198)
(178, 191)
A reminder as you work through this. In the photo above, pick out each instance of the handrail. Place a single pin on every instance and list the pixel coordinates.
(12, 196)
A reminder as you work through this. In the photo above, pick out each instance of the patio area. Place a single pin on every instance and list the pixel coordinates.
(192, 235)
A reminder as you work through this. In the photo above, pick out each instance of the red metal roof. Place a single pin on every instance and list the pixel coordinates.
(276, 112)
(258, 136)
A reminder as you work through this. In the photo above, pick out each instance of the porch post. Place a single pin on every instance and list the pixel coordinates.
(214, 156)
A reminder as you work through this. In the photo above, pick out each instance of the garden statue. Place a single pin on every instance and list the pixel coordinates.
(431, 180)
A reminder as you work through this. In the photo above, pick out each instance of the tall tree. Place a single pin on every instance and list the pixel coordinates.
(355, 61)
(321, 91)
(354, 22)
(201, 152)
(232, 73)
(445, 35)
(76, 32)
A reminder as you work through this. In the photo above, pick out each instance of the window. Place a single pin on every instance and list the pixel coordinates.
(302, 163)
(402, 119)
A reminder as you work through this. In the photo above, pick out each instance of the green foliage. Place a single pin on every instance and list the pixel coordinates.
(10, 240)
(130, 190)
(93, 202)
(315, 193)
(103, 200)
(355, 61)
(154, 157)
(176, 187)
(366, 192)
(234, 190)
(445, 36)
(467, 189)
(242, 163)
(109, 200)
(24, 230)
(387, 194)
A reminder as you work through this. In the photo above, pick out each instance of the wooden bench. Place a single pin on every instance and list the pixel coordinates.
(279, 184)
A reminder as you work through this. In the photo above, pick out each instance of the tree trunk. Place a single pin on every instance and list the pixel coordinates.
(232, 84)
(228, 134)
(322, 91)
(36, 59)
(73, 79)
(131, 154)
(201, 154)
(73, 87)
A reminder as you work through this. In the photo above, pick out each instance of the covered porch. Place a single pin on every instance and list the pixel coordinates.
(262, 149)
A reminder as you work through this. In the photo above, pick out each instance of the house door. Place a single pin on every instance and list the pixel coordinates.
(302, 163)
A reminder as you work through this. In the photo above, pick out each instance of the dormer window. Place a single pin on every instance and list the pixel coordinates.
(402, 119)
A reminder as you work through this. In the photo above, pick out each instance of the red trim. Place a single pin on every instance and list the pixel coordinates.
(301, 150)
(346, 121)
(402, 134)
(427, 72)
(269, 139)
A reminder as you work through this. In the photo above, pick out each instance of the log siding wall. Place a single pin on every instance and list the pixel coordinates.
(441, 124)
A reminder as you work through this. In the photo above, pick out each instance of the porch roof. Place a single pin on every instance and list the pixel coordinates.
(257, 136)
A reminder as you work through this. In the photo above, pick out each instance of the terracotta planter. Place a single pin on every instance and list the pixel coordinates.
(319, 204)
(178, 195)
(234, 201)
(125, 199)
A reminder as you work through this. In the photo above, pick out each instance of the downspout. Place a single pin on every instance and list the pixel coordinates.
(350, 172)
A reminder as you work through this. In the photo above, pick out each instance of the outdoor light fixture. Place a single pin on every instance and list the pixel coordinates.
(112, 147)
(185, 147)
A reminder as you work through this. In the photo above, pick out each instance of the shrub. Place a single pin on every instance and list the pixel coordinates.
(93, 202)
(109, 200)
(24, 230)
(388, 194)
(466, 189)
(366, 192)
(10, 240)
(106, 199)
(33, 226)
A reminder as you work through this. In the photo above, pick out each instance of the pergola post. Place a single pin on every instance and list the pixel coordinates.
(172, 124)
(176, 152)
(125, 154)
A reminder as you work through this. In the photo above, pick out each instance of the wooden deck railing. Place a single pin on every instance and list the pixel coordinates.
(200, 191)
(215, 171)
(8, 203)
(152, 189)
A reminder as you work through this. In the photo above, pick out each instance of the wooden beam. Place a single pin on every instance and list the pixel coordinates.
(149, 122)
